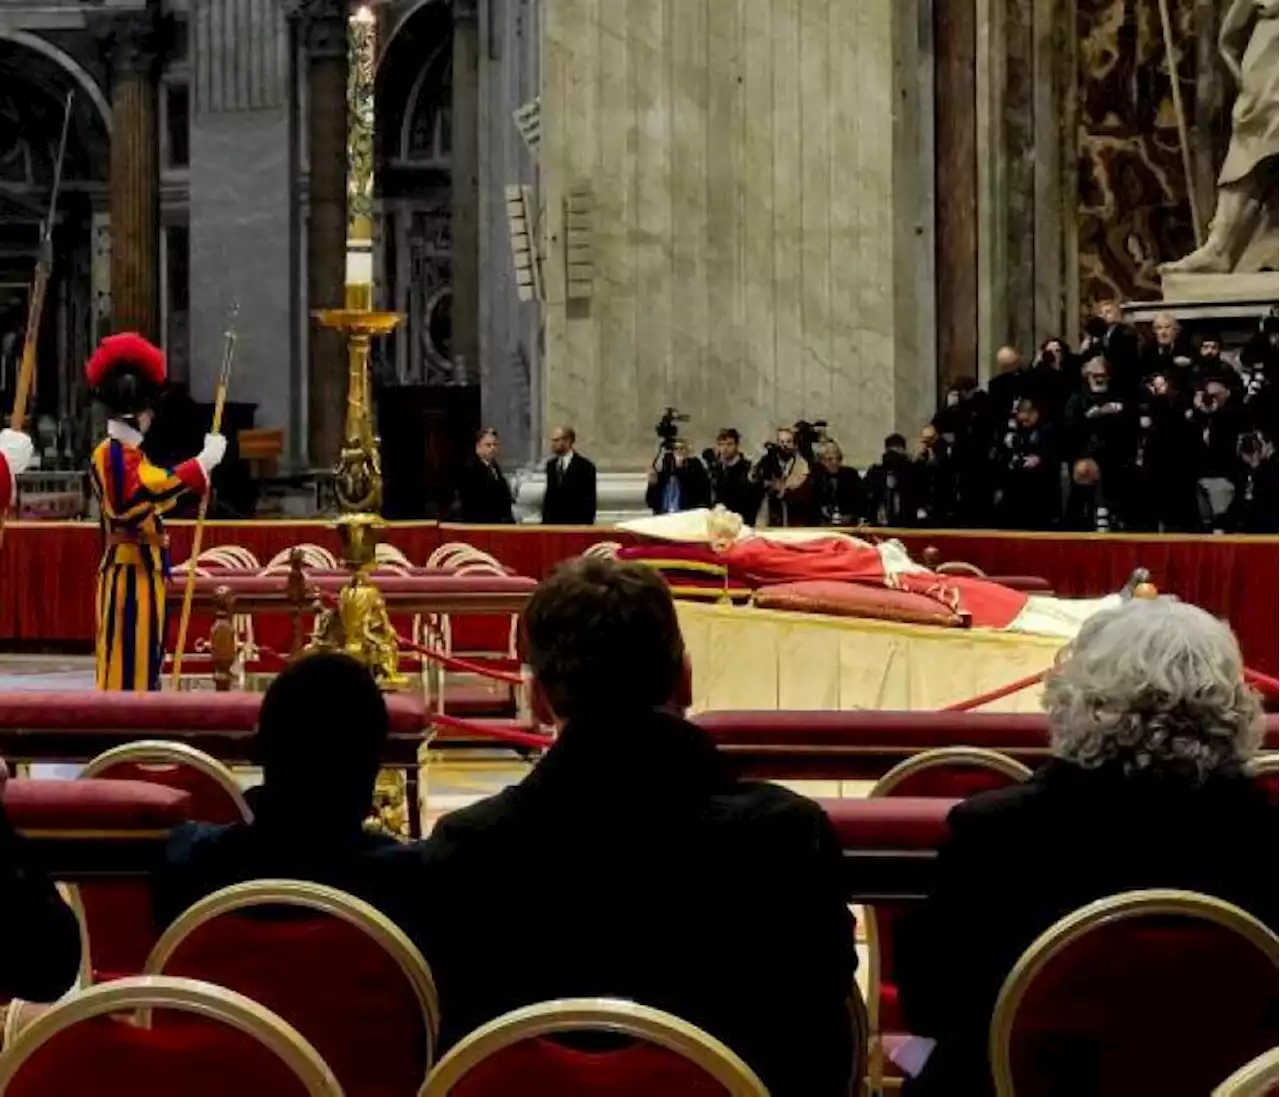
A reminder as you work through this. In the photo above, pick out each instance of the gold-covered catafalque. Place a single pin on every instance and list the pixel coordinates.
(359, 624)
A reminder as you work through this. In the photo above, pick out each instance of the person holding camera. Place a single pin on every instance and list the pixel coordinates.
(788, 482)
(1053, 379)
(1219, 424)
(838, 490)
(892, 498)
(1100, 422)
(730, 473)
(1028, 494)
(677, 481)
(1254, 504)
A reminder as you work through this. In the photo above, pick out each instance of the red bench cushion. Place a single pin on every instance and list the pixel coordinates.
(839, 599)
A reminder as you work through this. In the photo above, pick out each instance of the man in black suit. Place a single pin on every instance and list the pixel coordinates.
(42, 937)
(1146, 789)
(631, 864)
(730, 471)
(837, 489)
(320, 736)
(570, 498)
(484, 496)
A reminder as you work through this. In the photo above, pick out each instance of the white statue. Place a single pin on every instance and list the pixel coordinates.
(1245, 215)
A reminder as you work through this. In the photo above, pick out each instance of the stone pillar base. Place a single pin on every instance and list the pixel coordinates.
(619, 496)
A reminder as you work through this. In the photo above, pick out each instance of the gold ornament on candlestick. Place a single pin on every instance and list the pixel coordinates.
(359, 625)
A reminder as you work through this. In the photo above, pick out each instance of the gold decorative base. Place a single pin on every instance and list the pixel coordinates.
(361, 627)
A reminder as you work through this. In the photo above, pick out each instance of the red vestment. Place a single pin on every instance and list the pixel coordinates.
(763, 562)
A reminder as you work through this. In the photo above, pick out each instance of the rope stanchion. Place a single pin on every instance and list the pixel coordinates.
(995, 694)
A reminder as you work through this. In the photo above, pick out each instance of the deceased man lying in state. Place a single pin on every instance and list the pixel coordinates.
(766, 557)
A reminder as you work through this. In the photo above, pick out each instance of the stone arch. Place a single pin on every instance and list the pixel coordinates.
(401, 12)
(84, 81)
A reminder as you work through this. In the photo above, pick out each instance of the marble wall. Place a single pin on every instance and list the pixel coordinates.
(756, 232)
(239, 202)
(1133, 212)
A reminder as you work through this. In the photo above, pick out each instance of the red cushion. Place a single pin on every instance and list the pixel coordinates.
(695, 572)
(109, 1058)
(208, 801)
(839, 599)
(1110, 1013)
(151, 714)
(905, 823)
(342, 991)
(544, 1068)
(94, 805)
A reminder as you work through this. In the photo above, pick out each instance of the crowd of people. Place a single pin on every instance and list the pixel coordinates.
(652, 873)
(1166, 434)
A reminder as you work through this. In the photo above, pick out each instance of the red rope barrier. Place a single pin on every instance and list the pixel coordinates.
(488, 731)
(995, 694)
(1262, 681)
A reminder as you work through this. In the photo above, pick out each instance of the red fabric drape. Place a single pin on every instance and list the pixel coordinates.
(48, 568)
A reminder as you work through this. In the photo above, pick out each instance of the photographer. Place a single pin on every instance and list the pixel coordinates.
(1099, 422)
(730, 472)
(1257, 490)
(1162, 493)
(1218, 422)
(1053, 379)
(968, 425)
(787, 480)
(934, 478)
(1028, 493)
(838, 490)
(892, 499)
(1258, 369)
(678, 481)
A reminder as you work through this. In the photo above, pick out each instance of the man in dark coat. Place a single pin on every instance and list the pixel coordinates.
(570, 498)
(484, 496)
(732, 486)
(677, 481)
(42, 957)
(631, 864)
(838, 492)
(321, 732)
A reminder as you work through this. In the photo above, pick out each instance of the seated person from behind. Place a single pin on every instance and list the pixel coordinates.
(629, 863)
(320, 736)
(42, 959)
(1151, 724)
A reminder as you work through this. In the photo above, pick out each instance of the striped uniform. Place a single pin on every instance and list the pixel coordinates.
(132, 494)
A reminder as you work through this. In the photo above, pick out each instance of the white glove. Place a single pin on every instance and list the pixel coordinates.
(215, 449)
(17, 450)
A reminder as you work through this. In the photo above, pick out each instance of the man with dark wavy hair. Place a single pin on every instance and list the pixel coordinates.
(631, 864)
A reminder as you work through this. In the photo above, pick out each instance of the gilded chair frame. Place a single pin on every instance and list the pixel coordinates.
(140, 995)
(938, 757)
(321, 899)
(1067, 931)
(617, 1016)
(162, 752)
(1257, 1078)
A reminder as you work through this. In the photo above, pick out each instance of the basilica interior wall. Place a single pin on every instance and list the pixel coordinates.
(1133, 212)
(753, 220)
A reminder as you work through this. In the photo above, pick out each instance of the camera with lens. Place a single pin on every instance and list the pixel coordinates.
(667, 429)
(808, 435)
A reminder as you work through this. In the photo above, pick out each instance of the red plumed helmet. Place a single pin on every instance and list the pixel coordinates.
(126, 351)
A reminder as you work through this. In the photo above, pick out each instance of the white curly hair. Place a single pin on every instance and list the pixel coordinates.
(1154, 685)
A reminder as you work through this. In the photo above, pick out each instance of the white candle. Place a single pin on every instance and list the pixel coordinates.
(359, 267)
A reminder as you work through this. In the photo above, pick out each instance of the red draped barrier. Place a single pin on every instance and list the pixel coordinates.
(48, 567)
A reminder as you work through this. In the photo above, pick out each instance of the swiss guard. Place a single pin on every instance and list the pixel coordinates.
(126, 374)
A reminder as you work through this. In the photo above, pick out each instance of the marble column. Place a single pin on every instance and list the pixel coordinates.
(135, 178)
(466, 192)
(325, 23)
(956, 172)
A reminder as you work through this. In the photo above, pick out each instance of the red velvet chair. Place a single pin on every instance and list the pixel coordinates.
(339, 971)
(951, 773)
(118, 913)
(515, 1056)
(1162, 992)
(225, 1044)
